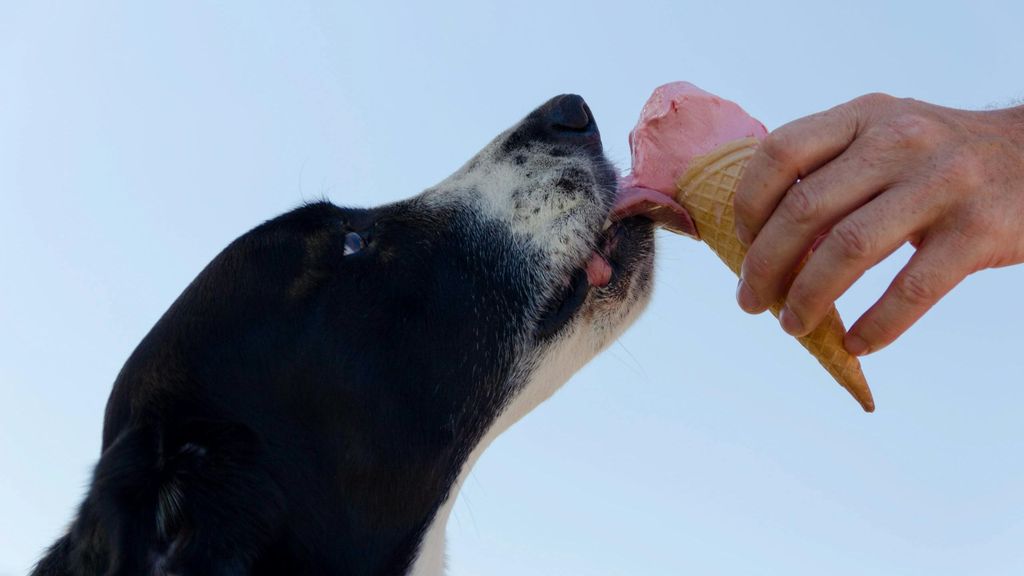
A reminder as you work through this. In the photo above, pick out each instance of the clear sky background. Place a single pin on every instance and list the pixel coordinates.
(138, 138)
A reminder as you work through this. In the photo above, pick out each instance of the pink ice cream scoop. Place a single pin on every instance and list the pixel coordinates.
(678, 123)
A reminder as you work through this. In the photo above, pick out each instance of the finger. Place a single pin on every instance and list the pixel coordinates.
(788, 153)
(941, 263)
(859, 241)
(809, 208)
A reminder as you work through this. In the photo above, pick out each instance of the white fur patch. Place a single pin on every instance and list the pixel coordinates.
(579, 344)
(527, 197)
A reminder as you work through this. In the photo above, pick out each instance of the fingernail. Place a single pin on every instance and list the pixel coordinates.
(790, 322)
(746, 298)
(856, 345)
(743, 234)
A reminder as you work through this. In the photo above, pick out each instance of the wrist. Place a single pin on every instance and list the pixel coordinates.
(1013, 122)
(1003, 123)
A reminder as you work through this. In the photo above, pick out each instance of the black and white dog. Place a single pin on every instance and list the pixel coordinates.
(314, 399)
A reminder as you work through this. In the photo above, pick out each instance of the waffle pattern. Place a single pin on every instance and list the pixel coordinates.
(706, 191)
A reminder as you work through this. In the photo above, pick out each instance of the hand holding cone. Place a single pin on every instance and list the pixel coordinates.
(706, 190)
(692, 146)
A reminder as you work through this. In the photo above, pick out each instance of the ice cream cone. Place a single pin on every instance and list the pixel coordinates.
(706, 190)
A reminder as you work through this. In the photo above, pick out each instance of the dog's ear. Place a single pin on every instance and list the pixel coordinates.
(212, 475)
(176, 505)
(58, 561)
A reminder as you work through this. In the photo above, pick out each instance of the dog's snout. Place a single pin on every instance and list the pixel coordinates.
(569, 113)
(564, 119)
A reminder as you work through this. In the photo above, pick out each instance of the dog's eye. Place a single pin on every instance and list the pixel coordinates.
(353, 243)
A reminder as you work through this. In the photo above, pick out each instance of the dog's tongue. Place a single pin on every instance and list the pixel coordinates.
(663, 209)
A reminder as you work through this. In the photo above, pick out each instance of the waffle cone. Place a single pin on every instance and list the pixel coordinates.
(706, 191)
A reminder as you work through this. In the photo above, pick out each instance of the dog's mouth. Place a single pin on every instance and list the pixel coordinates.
(630, 202)
(601, 269)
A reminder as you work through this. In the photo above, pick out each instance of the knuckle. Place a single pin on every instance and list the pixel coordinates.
(917, 287)
(962, 169)
(853, 240)
(906, 130)
(801, 299)
(873, 100)
(877, 98)
(974, 222)
(744, 207)
(979, 235)
(974, 247)
(912, 128)
(876, 331)
(756, 268)
(802, 204)
(780, 147)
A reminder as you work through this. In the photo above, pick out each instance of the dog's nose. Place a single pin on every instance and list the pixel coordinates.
(569, 113)
(564, 119)
(568, 118)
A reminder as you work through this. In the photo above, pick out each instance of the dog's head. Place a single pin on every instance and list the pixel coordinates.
(377, 351)
(510, 274)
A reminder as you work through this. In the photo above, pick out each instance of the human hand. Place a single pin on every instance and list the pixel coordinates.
(858, 181)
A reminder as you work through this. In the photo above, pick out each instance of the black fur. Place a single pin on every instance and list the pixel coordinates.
(298, 410)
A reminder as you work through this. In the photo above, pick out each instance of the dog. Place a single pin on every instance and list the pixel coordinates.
(313, 400)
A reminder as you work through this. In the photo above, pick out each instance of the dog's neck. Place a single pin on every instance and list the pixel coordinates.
(430, 559)
(558, 364)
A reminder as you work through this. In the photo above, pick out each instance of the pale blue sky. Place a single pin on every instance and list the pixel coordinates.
(138, 138)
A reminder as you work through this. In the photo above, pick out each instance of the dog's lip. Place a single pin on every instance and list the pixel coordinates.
(598, 268)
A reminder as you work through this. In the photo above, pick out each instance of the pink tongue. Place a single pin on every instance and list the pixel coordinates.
(636, 200)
